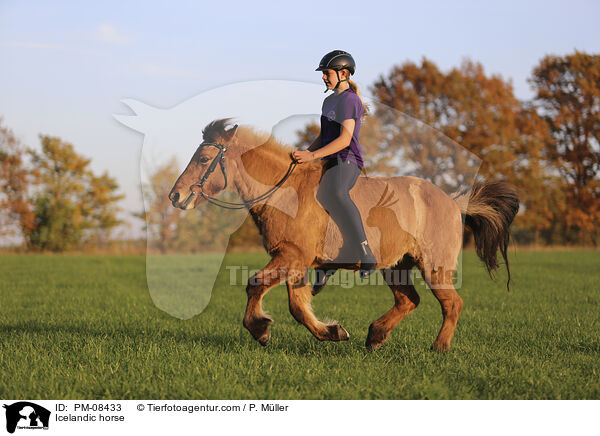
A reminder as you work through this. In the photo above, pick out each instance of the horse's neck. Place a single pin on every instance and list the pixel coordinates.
(258, 170)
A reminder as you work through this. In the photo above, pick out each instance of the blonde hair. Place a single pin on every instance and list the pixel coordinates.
(354, 88)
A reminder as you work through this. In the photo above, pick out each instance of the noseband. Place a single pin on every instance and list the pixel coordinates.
(220, 159)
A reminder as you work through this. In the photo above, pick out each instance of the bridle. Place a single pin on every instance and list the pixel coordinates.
(220, 159)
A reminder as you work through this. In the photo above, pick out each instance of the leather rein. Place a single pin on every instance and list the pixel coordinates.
(220, 160)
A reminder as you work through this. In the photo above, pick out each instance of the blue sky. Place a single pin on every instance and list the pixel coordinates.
(65, 65)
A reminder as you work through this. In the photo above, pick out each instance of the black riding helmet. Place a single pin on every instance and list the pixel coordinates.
(337, 60)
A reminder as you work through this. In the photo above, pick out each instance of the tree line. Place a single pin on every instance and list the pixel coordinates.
(549, 147)
(51, 199)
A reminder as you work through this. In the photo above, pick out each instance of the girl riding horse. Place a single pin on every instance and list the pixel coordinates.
(337, 144)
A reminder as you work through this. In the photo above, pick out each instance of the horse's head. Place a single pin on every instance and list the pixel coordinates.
(205, 171)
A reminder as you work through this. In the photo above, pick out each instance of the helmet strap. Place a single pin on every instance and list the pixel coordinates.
(337, 73)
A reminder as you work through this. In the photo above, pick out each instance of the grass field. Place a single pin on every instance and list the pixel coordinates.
(74, 327)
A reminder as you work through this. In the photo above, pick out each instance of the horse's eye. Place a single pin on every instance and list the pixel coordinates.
(204, 159)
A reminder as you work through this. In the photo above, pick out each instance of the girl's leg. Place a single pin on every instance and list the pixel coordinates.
(334, 197)
(368, 263)
(348, 174)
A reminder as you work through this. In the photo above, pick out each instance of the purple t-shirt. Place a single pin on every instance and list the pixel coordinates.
(336, 109)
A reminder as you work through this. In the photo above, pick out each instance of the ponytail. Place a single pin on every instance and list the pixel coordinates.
(354, 88)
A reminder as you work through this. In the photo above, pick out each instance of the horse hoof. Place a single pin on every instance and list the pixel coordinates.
(259, 329)
(375, 338)
(336, 332)
(372, 345)
(265, 339)
(440, 348)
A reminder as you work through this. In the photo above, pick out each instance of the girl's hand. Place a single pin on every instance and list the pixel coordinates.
(303, 155)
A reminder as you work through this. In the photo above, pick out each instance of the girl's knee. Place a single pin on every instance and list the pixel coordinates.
(343, 198)
(327, 195)
(335, 200)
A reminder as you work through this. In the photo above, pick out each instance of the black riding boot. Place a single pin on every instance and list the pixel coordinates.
(321, 277)
(368, 263)
(346, 256)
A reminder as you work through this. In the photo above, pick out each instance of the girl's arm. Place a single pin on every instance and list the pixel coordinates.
(338, 143)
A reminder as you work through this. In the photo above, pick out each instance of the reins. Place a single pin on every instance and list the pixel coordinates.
(220, 159)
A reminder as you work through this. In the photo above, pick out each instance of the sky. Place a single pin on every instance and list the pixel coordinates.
(65, 66)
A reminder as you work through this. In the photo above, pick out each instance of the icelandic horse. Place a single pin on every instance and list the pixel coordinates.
(422, 228)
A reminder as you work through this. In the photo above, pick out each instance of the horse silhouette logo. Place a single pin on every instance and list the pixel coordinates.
(26, 415)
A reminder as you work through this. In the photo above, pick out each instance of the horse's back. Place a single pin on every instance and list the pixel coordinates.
(414, 210)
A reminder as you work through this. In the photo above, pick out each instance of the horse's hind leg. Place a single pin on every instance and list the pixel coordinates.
(300, 297)
(284, 264)
(406, 300)
(441, 285)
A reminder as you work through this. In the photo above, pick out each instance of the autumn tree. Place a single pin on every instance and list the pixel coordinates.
(15, 179)
(69, 203)
(568, 94)
(541, 189)
(481, 113)
(477, 111)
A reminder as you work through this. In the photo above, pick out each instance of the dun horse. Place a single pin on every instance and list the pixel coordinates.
(409, 221)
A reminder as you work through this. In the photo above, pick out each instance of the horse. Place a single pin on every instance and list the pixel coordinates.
(422, 228)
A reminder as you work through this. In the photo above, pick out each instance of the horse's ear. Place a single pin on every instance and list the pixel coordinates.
(229, 134)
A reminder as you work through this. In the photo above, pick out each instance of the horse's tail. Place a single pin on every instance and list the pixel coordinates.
(489, 211)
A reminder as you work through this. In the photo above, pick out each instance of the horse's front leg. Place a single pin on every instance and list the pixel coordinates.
(300, 295)
(286, 263)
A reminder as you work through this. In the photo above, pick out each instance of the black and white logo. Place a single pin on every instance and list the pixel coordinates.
(26, 415)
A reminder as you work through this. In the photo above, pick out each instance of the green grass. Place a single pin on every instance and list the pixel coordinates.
(74, 327)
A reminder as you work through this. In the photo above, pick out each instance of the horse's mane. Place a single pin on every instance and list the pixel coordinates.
(215, 129)
(251, 138)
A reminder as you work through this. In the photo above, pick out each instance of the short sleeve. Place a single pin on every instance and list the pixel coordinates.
(350, 108)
